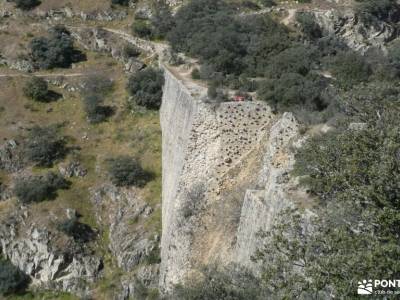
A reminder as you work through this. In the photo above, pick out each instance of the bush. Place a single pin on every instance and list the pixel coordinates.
(39, 188)
(120, 2)
(126, 171)
(162, 20)
(309, 26)
(36, 89)
(26, 4)
(142, 29)
(349, 69)
(383, 10)
(130, 51)
(80, 232)
(293, 91)
(146, 87)
(196, 74)
(220, 285)
(54, 51)
(268, 3)
(11, 278)
(95, 111)
(96, 87)
(43, 146)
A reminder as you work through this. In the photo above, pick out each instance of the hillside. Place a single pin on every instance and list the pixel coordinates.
(198, 149)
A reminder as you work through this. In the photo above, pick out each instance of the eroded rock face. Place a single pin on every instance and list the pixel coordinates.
(33, 251)
(224, 178)
(354, 32)
(121, 208)
(107, 41)
(10, 157)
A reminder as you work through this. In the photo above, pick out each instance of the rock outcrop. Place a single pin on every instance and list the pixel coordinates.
(358, 35)
(224, 178)
(121, 209)
(33, 250)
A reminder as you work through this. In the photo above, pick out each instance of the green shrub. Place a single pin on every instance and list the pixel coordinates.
(36, 89)
(293, 91)
(39, 188)
(355, 174)
(54, 51)
(162, 20)
(96, 88)
(214, 284)
(130, 51)
(142, 29)
(196, 74)
(349, 69)
(11, 278)
(26, 4)
(146, 87)
(268, 3)
(80, 232)
(43, 146)
(126, 171)
(372, 10)
(120, 2)
(308, 25)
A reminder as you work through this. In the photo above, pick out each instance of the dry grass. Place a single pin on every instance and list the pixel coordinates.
(137, 134)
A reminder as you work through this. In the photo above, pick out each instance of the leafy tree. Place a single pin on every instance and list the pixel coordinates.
(350, 68)
(96, 87)
(120, 2)
(43, 146)
(26, 4)
(36, 89)
(142, 28)
(293, 91)
(214, 284)
(146, 87)
(126, 171)
(309, 26)
(39, 188)
(384, 10)
(162, 20)
(54, 51)
(130, 51)
(355, 174)
(78, 231)
(11, 278)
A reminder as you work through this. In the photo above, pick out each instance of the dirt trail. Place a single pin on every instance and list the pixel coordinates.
(44, 75)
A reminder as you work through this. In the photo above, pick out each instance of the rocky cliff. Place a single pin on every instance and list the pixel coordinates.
(225, 177)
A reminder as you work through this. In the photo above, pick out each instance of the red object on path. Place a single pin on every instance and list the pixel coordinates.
(238, 98)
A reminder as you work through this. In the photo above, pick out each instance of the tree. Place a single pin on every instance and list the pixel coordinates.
(293, 91)
(162, 19)
(228, 284)
(142, 29)
(96, 88)
(146, 87)
(36, 89)
(54, 51)
(120, 2)
(39, 188)
(355, 174)
(80, 232)
(26, 4)
(309, 26)
(126, 171)
(11, 278)
(43, 146)
(350, 68)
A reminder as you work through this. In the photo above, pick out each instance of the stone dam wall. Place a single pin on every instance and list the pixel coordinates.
(224, 179)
